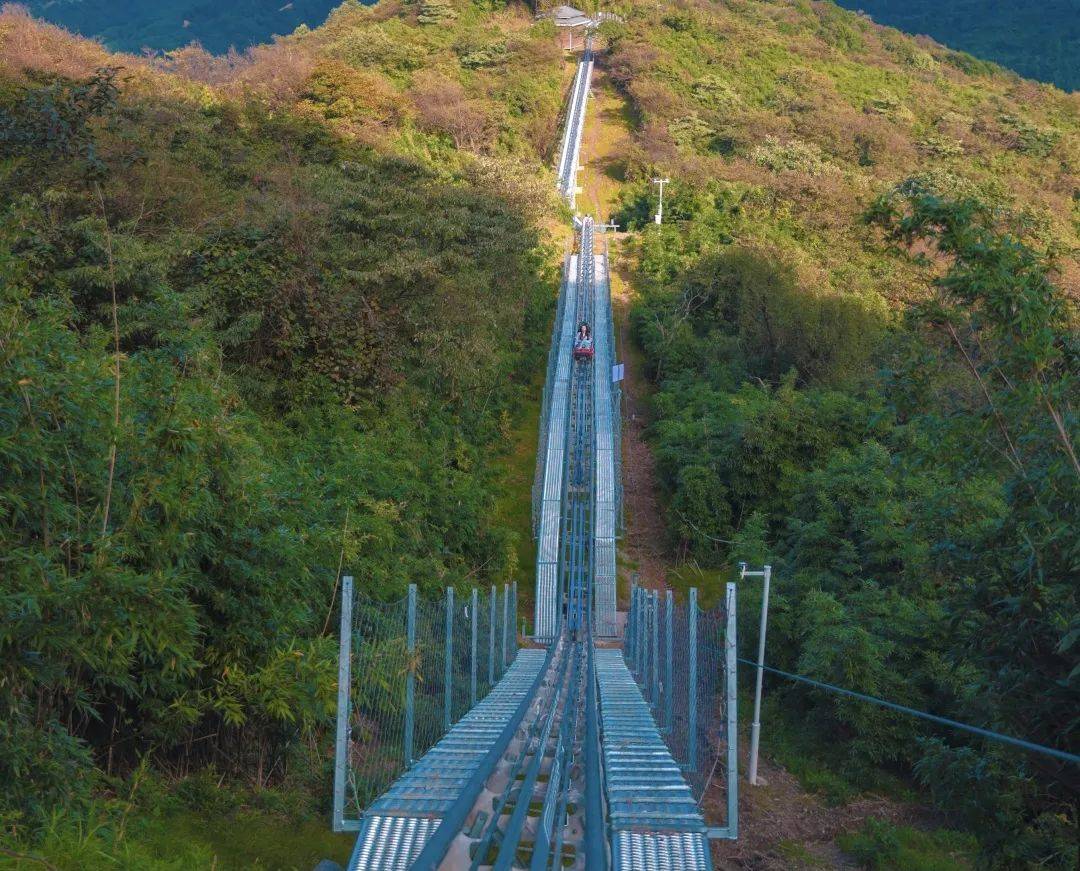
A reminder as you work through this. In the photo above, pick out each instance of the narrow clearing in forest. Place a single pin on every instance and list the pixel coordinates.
(604, 145)
(782, 825)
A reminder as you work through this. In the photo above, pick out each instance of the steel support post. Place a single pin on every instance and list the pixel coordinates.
(410, 675)
(654, 681)
(691, 705)
(639, 643)
(643, 676)
(341, 745)
(669, 668)
(448, 671)
(506, 614)
(491, 638)
(755, 726)
(513, 621)
(628, 632)
(472, 649)
(730, 666)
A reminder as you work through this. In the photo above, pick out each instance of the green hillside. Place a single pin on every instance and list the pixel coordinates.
(268, 316)
(861, 320)
(1038, 40)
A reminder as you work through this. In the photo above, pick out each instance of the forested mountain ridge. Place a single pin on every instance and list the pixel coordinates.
(1038, 40)
(269, 315)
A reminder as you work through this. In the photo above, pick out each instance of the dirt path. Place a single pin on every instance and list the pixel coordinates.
(604, 145)
(782, 826)
(644, 544)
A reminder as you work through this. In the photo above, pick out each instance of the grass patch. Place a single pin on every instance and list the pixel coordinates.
(709, 582)
(879, 845)
(822, 765)
(797, 855)
(183, 841)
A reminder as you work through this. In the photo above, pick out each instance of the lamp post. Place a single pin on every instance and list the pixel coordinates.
(755, 728)
(660, 206)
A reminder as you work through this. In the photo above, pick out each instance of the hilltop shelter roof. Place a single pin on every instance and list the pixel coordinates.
(568, 16)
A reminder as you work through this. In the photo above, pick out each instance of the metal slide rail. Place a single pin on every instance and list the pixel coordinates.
(605, 517)
(579, 495)
(575, 127)
(563, 764)
(545, 403)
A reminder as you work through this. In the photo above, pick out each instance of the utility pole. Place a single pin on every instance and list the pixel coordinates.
(660, 207)
(755, 728)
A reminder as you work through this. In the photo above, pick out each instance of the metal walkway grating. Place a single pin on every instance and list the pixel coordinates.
(655, 822)
(397, 825)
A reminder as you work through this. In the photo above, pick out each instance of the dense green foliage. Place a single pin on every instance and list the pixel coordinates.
(167, 24)
(1038, 40)
(241, 349)
(922, 517)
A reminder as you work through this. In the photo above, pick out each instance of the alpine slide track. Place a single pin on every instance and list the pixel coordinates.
(592, 745)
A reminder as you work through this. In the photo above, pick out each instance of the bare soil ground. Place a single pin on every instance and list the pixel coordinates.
(644, 544)
(782, 826)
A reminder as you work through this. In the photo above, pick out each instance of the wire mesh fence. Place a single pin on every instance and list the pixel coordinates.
(409, 670)
(680, 657)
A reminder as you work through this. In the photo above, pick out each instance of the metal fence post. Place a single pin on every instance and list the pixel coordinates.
(628, 632)
(732, 716)
(506, 614)
(646, 648)
(655, 677)
(491, 638)
(755, 726)
(639, 651)
(669, 670)
(513, 622)
(691, 742)
(410, 675)
(341, 745)
(472, 650)
(448, 671)
(639, 643)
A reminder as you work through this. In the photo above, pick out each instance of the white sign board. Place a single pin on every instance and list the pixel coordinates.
(617, 372)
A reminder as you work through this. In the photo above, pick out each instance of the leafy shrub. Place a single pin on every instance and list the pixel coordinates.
(714, 92)
(791, 156)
